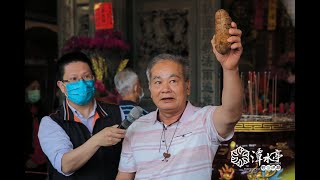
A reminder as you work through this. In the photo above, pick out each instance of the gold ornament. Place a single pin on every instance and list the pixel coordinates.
(122, 65)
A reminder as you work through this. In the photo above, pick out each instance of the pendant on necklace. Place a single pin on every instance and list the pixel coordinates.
(166, 155)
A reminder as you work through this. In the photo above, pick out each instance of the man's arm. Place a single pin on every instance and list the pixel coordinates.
(76, 158)
(125, 176)
(57, 146)
(229, 113)
(54, 142)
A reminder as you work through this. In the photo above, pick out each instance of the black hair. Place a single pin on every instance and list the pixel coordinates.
(67, 58)
(28, 80)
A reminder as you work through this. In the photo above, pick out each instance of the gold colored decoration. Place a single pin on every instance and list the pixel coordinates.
(254, 126)
(288, 173)
(122, 65)
(226, 173)
(258, 175)
(99, 67)
(272, 14)
(232, 145)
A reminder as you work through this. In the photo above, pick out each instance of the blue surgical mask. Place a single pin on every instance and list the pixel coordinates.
(33, 96)
(80, 92)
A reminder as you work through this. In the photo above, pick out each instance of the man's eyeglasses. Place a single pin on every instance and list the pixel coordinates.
(75, 79)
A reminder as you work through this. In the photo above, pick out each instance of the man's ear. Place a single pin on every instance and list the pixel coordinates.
(150, 90)
(62, 87)
(188, 87)
(135, 87)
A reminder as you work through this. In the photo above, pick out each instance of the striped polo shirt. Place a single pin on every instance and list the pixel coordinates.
(127, 106)
(192, 148)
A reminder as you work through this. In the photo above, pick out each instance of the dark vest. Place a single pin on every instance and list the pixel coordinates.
(104, 163)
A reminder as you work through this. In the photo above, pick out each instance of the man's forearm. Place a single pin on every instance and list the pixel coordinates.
(76, 158)
(232, 93)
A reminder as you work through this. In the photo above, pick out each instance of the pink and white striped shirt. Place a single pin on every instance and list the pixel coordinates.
(192, 149)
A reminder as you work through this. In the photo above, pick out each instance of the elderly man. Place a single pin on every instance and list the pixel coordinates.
(128, 85)
(179, 140)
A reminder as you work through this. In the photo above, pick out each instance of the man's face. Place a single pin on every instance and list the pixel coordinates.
(168, 88)
(74, 71)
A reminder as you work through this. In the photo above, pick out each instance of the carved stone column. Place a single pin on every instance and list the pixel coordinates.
(210, 69)
(66, 21)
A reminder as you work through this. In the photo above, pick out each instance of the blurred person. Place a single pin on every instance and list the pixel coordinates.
(35, 159)
(129, 87)
(81, 139)
(179, 140)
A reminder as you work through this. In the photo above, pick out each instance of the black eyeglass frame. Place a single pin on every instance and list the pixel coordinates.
(85, 79)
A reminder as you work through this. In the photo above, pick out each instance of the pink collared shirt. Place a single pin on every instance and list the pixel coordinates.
(193, 147)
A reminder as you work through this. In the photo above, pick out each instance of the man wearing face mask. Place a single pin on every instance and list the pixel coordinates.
(81, 139)
(35, 159)
(128, 85)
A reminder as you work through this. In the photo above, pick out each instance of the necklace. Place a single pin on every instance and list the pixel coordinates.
(166, 154)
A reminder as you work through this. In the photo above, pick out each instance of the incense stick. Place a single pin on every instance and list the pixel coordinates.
(272, 94)
(265, 90)
(258, 85)
(243, 92)
(250, 98)
(268, 79)
(255, 91)
(275, 96)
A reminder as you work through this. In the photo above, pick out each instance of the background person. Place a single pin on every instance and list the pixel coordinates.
(129, 87)
(34, 110)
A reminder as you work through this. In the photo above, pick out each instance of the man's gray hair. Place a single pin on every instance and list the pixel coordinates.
(125, 80)
(169, 57)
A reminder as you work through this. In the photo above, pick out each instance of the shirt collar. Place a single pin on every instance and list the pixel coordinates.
(75, 111)
(189, 111)
(127, 102)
